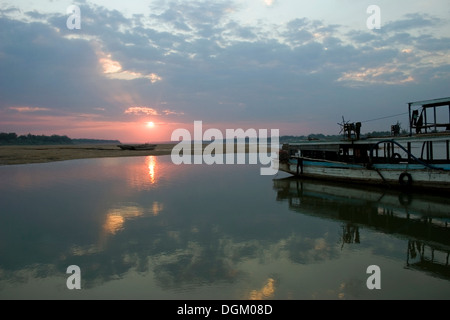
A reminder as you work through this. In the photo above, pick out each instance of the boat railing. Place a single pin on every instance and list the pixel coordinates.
(409, 154)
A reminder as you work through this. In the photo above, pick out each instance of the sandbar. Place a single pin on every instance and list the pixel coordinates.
(25, 154)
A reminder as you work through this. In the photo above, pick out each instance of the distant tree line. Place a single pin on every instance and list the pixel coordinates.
(95, 141)
(315, 136)
(31, 139)
(323, 137)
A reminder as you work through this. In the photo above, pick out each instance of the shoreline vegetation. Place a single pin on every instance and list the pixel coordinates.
(12, 138)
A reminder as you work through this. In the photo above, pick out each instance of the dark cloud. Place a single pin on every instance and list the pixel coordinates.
(412, 21)
(200, 17)
(429, 43)
(36, 15)
(359, 36)
(41, 68)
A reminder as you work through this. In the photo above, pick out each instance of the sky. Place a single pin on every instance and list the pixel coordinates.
(296, 66)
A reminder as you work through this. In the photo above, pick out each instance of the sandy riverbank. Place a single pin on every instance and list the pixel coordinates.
(39, 154)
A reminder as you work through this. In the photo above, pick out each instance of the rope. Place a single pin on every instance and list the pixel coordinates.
(395, 115)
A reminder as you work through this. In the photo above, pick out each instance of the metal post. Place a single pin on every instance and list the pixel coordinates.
(435, 124)
(431, 150)
(409, 151)
(448, 150)
(410, 118)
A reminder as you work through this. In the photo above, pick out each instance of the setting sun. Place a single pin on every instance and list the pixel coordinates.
(150, 124)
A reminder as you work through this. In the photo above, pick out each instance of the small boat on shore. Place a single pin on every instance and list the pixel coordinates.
(145, 146)
(420, 159)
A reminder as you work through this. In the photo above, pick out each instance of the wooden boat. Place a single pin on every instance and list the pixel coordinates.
(416, 160)
(145, 146)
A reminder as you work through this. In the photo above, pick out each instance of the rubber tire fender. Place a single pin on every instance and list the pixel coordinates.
(405, 179)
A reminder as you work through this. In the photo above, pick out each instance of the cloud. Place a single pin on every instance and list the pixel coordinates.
(412, 21)
(202, 60)
(141, 110)
(40, 68)
(110, 66)
(113, 70)
(170, 112)
(150, 111)
(28, 109)
(269, 2)
(385, 75)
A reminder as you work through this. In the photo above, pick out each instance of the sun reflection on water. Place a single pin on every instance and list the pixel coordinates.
(115, 218)
(143, 176)
(266, 292)
(157, 207)
(151, 164)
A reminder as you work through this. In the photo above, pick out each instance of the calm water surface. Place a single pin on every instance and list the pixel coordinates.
(143, 228)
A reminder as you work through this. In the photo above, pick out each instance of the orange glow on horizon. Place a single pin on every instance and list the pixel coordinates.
(89, 126)
(96, 126)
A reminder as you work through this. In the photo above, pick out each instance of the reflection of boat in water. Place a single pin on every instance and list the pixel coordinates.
(419, 160)
(145, 146)
(430, 258)
(422, 219)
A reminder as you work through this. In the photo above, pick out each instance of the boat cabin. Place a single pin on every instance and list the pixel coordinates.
(429, 143)
(424, 115)
(332, 151)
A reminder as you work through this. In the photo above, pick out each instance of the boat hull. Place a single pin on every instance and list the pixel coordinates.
(400, 175)
(137, 146)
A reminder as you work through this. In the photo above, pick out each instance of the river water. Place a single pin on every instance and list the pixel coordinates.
(144, 228)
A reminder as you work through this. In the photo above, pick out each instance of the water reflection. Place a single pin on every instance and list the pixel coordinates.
(151, 163)
(266, 292)
(116, 217)
(350, 233)
(143, 177)
(157, 207)
(142, 227)
(420, 218)
(430, 258)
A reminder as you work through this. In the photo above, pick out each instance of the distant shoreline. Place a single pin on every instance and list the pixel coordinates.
(27, 154)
